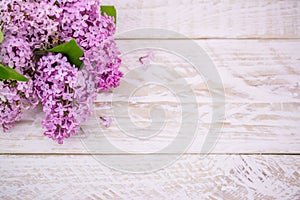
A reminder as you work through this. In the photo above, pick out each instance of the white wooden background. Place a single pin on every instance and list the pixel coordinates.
(255, 46)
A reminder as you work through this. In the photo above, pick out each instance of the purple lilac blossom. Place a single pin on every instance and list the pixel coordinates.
(15, 97)
(34, 21)
(55, 85)
(94, 33)
(42, 24)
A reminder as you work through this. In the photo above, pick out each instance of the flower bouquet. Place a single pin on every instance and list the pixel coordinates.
(58, 53)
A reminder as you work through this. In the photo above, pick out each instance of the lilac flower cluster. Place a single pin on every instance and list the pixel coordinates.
(54, 84)
(15, 97)
(94, 33)
(65, 92)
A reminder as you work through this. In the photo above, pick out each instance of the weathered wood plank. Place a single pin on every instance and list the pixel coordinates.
(212, 19)
(249, 128)
(251, 70)
(261, 80)
(191, 177)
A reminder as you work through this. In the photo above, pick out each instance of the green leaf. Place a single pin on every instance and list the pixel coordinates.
(71, 50)
(1, 37)
(7, 73)
(110, 11)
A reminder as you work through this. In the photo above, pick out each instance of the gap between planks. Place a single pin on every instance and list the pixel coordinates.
(207, 38)
(135, 154)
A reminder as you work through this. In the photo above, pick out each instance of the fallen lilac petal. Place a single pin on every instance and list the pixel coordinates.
(105, 121)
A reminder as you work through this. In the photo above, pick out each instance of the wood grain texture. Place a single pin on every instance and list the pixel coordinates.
(255, 47)
(261, 80)
(212, 19)
(191, 177)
